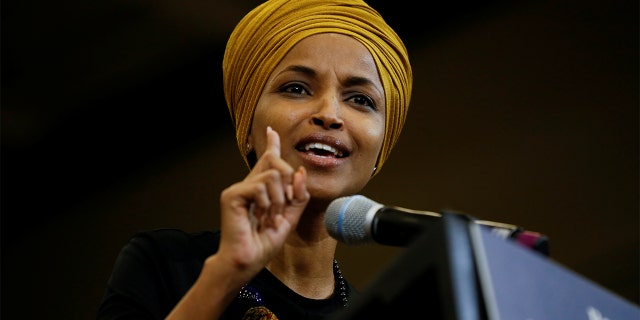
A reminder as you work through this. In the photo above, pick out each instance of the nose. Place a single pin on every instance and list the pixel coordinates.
(328, 115)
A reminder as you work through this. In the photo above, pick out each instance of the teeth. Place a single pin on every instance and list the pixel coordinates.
(321, 146)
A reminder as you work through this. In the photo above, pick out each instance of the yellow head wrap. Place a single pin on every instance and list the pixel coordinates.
(265, 35)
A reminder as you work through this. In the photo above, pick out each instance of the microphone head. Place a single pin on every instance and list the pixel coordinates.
(347, 219)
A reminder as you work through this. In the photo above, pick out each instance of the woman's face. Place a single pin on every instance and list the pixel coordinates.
(326, 101)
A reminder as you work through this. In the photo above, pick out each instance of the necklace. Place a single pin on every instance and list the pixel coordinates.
(250, 293)
(341, 285)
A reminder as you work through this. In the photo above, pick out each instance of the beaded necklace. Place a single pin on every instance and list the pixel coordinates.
(250, 293)
(340, 284)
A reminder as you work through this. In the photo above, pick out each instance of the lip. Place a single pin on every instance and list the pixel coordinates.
(319, 160)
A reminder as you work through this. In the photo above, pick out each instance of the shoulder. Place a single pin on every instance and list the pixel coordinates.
(163, 256)
(154, 269)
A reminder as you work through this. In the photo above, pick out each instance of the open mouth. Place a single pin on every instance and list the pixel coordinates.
(322, 150)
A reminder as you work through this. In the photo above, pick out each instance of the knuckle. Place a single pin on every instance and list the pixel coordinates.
(228, 192)
(269, 155)
(259, 188)
(273, 175)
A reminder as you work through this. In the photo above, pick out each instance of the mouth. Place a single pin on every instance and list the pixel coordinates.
(323, 146)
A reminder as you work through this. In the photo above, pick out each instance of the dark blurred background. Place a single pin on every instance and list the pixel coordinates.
(113, 121)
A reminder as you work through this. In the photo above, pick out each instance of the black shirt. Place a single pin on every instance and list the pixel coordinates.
(156, 268)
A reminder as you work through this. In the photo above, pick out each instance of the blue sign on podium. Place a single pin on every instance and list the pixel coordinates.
(521, 284)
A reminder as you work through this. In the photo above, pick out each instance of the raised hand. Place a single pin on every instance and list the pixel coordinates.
(259, 212)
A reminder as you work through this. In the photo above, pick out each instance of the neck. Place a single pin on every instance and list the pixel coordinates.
(305, 263)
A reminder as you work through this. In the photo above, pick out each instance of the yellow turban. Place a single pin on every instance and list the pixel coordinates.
(265, 35)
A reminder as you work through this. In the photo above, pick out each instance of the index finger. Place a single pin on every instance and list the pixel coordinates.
(273, 141)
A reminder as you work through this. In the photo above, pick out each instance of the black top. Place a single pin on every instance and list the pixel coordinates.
(156, 268)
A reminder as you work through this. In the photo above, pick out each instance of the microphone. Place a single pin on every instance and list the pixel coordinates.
(358, 220)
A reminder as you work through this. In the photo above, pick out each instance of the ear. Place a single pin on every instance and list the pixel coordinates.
(250, 152)
(250, 144)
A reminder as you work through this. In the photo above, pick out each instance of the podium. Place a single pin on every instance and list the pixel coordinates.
(458, 270)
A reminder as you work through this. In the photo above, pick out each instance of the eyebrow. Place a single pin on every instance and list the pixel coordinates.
(301, 69)
(351, 81)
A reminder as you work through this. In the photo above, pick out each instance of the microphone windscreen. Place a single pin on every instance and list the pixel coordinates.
(347, 220)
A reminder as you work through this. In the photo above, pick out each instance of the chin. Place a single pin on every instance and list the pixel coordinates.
(331, 188)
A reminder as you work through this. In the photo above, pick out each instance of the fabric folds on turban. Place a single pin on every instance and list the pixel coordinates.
(265, 35)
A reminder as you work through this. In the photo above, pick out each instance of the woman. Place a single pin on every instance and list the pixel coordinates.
(318, 92)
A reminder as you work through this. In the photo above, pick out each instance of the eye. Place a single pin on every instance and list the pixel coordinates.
(362, 100)
(294, 89)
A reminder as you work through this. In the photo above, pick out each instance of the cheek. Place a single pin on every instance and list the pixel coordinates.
(259, 124)
(374, 136)
(277, 118)
(264, 115)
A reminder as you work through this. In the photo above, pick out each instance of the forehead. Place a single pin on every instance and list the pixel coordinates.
(332, 51)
